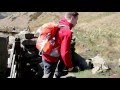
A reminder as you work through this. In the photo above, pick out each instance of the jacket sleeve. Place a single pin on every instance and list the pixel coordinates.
(65, 50)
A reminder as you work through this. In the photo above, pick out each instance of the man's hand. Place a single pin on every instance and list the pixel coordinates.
(70, 69)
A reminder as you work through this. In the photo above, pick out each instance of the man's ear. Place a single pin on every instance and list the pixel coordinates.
(72, 18)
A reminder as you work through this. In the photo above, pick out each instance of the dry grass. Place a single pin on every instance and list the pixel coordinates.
(100, 36)
(44, 18)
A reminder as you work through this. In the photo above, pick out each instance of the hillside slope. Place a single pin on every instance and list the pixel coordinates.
(22, 20)
(5, 14)
(96, 32)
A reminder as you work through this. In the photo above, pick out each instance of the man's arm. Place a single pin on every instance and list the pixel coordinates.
(65, 50)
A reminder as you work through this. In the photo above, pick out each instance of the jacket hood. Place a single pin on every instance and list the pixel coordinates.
(63, 21)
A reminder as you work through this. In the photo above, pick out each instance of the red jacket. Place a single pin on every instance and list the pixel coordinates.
(63, 39)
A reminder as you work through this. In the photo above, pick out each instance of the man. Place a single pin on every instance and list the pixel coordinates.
(63, 39)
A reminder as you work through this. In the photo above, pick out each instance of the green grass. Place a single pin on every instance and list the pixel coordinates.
(88, 74)
(108, 74)
(100, 38)
(99, 43)
(92, 16)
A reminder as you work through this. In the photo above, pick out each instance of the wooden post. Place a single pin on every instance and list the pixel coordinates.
(4, 39)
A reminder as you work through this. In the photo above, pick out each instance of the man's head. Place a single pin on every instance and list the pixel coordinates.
(72, 17)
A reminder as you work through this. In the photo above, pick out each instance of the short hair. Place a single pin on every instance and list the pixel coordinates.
(70, 14)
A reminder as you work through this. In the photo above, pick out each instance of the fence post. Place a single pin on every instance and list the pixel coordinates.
(4, 39)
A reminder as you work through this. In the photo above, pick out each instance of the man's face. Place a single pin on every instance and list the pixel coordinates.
(74, 20)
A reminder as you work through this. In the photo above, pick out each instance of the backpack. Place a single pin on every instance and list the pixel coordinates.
(46, 40)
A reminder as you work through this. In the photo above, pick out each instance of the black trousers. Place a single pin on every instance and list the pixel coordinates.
(53, 70)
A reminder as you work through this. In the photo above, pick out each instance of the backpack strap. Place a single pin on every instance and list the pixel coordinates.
(63, 26)
(60, 26)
